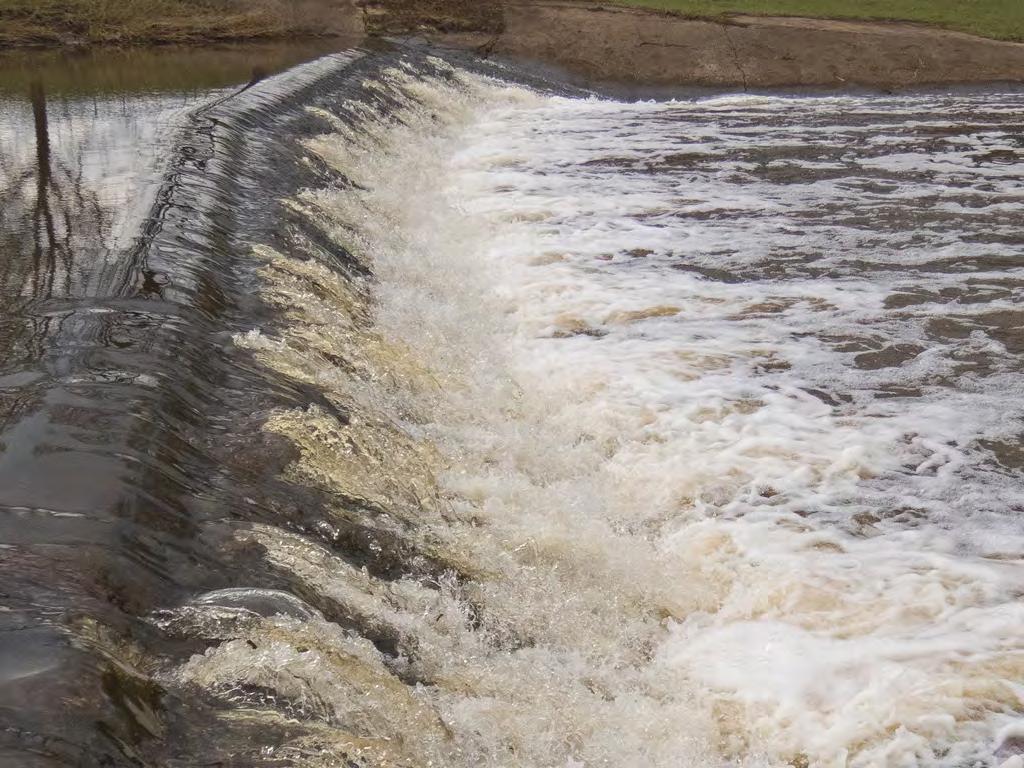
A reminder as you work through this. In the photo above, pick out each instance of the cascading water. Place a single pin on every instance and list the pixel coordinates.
(618, 434)
(701, 404)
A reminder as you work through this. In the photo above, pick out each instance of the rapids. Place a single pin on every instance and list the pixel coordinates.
(708, 404)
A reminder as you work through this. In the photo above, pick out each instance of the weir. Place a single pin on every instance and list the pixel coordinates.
(443, 416)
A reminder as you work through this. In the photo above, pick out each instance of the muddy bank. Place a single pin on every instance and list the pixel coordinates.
(625, 45)
(81, 23)
(593, 42)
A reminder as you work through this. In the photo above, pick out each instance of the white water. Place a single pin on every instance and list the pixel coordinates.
(694, 525)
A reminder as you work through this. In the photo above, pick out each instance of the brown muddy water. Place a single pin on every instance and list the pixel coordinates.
(399, 410)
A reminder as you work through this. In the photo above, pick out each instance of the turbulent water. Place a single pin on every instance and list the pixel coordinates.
(678, 433)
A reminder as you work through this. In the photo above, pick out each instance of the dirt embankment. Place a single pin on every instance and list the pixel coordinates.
(606, 43)
(599, 43)
(78, 23)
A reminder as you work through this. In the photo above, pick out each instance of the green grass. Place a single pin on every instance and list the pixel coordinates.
(1000, 19)
(129, 22)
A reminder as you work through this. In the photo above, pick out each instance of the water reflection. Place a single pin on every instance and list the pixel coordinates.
(168, 69)
(77, 176)
(48, 205)
(81, 151)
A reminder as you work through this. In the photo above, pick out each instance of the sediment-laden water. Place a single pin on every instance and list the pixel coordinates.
(496, 425)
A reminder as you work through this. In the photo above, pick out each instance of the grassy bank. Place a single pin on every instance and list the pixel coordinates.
(1000, 19)
(134, 22)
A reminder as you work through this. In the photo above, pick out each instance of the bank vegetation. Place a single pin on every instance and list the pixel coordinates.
(141, 22)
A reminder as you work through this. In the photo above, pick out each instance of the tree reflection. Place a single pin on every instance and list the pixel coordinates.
(48, 215)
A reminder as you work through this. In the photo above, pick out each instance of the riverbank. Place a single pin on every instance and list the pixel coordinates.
(641, 47)
(595, 43)
(70, 23)
(997, 19)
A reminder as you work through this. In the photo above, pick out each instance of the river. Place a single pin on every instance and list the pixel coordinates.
(407, 410)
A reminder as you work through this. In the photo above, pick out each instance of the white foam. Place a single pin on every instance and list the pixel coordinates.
(715, 538)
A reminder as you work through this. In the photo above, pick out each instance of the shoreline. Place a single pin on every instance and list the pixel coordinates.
(90, 24)
(601, 44)
(170, 41)
(609, 45)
